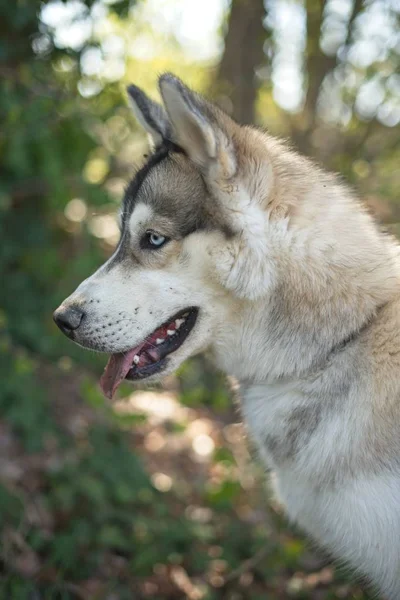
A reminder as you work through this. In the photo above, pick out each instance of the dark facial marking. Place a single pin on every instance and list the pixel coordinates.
(182, 199)
(134, 186)
(161, 153)
(121, 251)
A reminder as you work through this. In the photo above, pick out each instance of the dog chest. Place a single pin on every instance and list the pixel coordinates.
(309, 436)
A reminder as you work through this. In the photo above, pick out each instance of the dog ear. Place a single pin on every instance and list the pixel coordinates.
(197, 127)
(149, 114)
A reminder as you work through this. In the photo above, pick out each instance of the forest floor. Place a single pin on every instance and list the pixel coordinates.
(149, 498)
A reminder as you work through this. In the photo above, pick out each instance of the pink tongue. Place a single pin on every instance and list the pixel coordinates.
(119, 365)
(116, 370)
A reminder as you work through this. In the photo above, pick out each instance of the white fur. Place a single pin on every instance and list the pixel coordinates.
(301, 303)
(141, 214)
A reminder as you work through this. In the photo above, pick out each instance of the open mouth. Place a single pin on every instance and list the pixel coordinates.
(150, 356)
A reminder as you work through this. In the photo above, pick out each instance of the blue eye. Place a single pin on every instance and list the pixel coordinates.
(156, 240)
(153, 240)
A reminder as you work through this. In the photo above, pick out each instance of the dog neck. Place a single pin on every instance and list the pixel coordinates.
(321, 362)
(306, 319)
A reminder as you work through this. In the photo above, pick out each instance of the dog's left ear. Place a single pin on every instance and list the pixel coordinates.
(150, 115)
(198, 128)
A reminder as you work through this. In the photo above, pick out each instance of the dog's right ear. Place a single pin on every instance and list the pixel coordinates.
(149, 114)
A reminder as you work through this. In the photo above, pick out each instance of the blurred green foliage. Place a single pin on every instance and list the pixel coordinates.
(101, 525)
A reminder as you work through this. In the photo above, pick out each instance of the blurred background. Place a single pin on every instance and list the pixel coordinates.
(157, 495)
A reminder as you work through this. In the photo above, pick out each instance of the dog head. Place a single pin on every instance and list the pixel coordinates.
(229, 241)
(164, 293)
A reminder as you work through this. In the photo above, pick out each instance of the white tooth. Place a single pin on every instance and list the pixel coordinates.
(170, 332)
(159, 341)
(179, 322)
(136, 359)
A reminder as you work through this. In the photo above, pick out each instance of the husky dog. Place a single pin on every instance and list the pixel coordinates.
(234, 244)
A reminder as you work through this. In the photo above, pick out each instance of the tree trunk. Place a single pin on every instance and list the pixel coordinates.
(243, 54)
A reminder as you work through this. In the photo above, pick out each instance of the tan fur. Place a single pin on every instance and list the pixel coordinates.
(299, 297)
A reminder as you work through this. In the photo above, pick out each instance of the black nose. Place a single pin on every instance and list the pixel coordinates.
(68, 318)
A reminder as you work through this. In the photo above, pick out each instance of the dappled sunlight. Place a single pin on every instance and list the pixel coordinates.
(70, 22)
(158, 406)
(171, 430)
(154, 441)
(116, 187)
(95, 170)
(76, 210)
(162, 482)
(159, 494)
(105, 227)
(203, 445)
